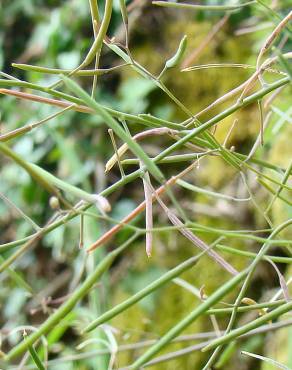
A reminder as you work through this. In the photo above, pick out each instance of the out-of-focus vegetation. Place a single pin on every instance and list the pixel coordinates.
(235, 197)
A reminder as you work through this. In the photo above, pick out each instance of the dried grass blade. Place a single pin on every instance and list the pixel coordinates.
(282, 281)
(194, 239)
(266, 359)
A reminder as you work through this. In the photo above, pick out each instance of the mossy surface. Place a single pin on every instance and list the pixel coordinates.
(197, 90)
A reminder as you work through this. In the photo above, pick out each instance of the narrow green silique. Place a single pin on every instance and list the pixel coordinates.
(46, 179)
(98, 41)
(96, 46)
(197, 312)
(94, 10)
(251, 269)
(211, 300)
(27, 167)
(66, 307)
(143, 293)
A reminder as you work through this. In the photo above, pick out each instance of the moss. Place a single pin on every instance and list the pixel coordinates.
(280, 155)
(197, 90)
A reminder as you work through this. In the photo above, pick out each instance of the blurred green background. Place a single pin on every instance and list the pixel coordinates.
(75, 147)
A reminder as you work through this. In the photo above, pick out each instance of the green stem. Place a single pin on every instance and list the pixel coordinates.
(73, 99)
(56, 71)
(143, 293)
(285, 179)
(66, 307)
(17, 278)
(272, 191)
(115, 126)
(34, 354)
(227, 249)
(257, 306)
(219, 117)
(209, 302)
(96, 46)
(244, 287)
(198, 311)
(201, 7)
(250, 326)
(46, 179)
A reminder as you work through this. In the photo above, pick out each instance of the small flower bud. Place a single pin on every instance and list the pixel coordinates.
(54, 203)
(102, 203)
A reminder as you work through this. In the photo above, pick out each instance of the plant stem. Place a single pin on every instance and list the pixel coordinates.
(250, 326)
(66, 307)
(198, 311)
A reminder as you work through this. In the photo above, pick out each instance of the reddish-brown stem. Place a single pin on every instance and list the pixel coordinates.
(141, 207)
(41, 99)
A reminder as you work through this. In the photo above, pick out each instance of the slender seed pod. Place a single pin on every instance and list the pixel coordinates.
(176, 59)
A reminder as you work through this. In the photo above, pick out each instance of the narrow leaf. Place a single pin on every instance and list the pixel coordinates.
(114, 125)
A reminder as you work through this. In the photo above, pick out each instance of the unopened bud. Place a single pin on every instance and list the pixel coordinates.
(248, 301)
(102, 203)
(54, 203)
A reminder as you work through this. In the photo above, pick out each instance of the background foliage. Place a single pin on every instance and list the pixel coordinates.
(75, 146)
